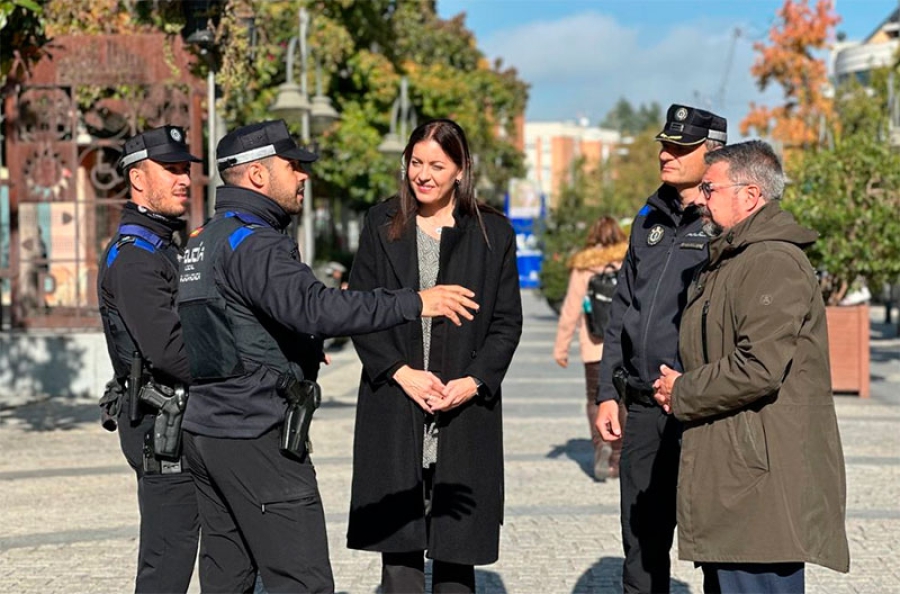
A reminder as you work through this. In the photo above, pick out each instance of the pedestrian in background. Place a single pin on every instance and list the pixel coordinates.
(136, 286)
(604, 249)
(428, 449)
(761, 489)
(254, 318)
(667, 245)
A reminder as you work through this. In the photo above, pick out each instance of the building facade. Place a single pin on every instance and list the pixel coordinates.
(553, 150)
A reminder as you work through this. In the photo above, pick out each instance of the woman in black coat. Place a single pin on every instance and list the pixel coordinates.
(428, 449)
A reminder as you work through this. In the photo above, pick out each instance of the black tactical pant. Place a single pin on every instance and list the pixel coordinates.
(651, 449)
(260, 510)
(170, 523)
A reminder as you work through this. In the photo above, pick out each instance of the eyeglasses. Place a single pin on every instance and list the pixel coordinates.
(707, 188)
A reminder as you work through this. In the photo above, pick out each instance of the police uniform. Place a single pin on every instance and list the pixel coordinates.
(136, 286)
(667, 246)
(254, 315)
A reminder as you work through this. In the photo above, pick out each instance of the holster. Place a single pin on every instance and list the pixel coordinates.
(303, 398)
(630, 391)
(169, 404)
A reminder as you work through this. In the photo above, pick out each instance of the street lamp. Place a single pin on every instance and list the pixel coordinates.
(292, 103)
(205, 39)
(402, 113)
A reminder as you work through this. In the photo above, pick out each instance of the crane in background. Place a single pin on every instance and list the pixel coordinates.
(729, 60)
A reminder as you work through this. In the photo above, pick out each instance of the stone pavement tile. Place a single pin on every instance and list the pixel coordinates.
(68, 513)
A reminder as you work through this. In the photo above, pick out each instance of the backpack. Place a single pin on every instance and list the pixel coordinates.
(598, 301)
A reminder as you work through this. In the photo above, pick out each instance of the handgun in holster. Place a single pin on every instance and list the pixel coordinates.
(169, 404)
(632, 390)
(620, 383)
(303, 398)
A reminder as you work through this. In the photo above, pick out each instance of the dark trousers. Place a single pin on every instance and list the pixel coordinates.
(404, 573)
(648, 478)
(260, 511)
(753, 578)
(169, 521)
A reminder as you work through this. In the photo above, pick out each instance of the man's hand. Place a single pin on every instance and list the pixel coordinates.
(607, 421)
(423, 387)
(455, 393)
(663, 387)
(562, 360)
(448, 300)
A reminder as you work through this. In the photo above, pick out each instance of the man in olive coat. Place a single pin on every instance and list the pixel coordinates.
(761, 487)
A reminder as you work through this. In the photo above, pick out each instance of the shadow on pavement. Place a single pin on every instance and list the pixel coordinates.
(580, 451)
(883, 330)
(883, 354)
(53, 414)
(606, 576)
(38, 364)
(334, 403)
(489, 582)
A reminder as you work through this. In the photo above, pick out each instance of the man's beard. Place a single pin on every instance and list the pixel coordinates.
(710, 227)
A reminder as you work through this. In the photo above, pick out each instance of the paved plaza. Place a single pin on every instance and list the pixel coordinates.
(68, 512)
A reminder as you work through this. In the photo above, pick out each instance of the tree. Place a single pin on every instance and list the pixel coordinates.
(361, 49)
(632, 173)
(364, 48)
(789, 61)
(628, 120)
(22, 27)
(850, 194)
(617, 188)
(565, 231)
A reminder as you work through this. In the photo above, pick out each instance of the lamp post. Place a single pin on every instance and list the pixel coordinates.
(292, 103)
(402, 114)
(205, 39)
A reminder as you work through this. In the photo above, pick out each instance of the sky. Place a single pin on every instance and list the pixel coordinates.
(581, 56)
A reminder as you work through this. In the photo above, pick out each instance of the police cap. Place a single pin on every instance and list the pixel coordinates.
(688, 126)
(258, 141)
(164, 145)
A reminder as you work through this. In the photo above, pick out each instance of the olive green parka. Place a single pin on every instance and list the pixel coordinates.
(762, 469)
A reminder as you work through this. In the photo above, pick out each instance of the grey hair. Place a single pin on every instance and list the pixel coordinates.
(752, 162)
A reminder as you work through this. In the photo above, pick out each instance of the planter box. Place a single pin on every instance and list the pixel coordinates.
(848, 348)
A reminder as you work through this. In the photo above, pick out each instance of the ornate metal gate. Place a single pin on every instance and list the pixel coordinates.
(65, 127)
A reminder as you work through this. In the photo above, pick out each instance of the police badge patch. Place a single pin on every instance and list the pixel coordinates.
(681, 114)
(656, 235)
(175, 134)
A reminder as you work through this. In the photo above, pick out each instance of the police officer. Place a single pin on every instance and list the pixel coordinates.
(666, 247)
(136, 286)
(254, 317)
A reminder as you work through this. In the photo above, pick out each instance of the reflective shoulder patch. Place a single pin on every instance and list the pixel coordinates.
(114, 251)
(239, 235)
(144, 244)
(111, 256)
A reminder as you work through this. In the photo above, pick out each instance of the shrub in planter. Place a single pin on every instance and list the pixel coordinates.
(850, 194)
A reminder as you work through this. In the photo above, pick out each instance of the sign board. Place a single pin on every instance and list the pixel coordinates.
(525, 209)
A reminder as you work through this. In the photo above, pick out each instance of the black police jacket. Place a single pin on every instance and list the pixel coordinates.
(258, 272)
(666, 247)
(136, 286)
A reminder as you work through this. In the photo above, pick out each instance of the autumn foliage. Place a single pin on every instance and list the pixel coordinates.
(788, 60)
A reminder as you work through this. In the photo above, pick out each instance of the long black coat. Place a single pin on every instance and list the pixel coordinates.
(386, 508)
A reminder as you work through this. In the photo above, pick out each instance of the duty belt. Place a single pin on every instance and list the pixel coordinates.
(632, 390)
(642, 396)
